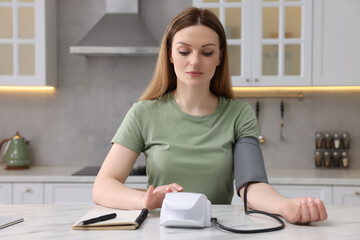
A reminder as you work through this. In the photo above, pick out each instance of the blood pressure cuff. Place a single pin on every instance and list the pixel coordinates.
(248, 162)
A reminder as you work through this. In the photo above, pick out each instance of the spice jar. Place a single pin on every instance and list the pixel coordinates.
(345, 159)
(346, 140)
(319, 139)
(327, 159)
(318, 159)
(337, 141)
(336, 159)
(327, 140)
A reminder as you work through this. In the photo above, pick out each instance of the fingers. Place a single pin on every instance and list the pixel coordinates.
(177, 187)
(154, 197)
(174, 187)
(312, 210)
(305, 214)
(322, 210)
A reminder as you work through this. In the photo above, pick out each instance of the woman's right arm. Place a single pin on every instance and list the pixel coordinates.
(110, 191)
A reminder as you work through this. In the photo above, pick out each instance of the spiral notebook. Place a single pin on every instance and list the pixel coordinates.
(124, 220)
(8, 221)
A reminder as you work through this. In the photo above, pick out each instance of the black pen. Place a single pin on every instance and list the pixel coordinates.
(98, 219)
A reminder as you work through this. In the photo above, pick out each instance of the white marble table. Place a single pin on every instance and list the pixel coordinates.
(54, 221)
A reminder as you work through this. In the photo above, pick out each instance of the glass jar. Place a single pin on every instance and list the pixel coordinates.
(336, 159)
(345, 159)
(318, 159)
(336, 141)
(327, 159)
(319, 140)
(327, 140)
(346, 140)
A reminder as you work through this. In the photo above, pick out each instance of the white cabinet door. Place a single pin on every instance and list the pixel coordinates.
(28, 43)
(292, 191)
(281, 43)
(5, 193)
(62, 193)
(336, 42)
(269, 41)
(28, 193)
(346, 196)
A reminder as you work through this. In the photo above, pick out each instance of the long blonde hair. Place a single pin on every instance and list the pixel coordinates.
(164, 78)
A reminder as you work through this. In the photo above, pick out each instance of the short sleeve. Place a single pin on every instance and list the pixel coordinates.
(246, 123)
(129, 133)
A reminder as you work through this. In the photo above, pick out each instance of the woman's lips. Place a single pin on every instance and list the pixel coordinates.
(194, 73)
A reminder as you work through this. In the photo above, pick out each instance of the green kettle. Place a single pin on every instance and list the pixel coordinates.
(17, 155)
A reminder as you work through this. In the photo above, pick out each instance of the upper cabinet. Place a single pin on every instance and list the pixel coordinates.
(291, 42)
(269, 40)
(336, 42)
(28, 43)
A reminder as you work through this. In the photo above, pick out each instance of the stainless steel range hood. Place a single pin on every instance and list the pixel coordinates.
(120, 32)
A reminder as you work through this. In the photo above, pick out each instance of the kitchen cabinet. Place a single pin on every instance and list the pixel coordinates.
(51, 193)
(269, 41)
(346, 196)
(325, 193)
(60, 193)
(336, 42)
(28, 43)
(5, 193)
(28, 193)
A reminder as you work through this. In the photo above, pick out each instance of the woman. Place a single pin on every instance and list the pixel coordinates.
(188, 124)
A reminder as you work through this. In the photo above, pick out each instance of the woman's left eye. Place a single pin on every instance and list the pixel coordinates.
(208, 54)
(183, 53)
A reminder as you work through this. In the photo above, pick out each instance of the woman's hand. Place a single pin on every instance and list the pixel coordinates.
(154, 197)
(303, 210)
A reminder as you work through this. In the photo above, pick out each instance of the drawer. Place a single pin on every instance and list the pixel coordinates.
(347, 196)
(63, 193)
(28, 193)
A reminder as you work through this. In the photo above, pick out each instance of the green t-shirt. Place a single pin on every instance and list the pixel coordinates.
(193, 151)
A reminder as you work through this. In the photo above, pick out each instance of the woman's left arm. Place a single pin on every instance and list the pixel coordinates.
(262, 196)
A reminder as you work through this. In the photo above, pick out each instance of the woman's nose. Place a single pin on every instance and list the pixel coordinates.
(194, 59)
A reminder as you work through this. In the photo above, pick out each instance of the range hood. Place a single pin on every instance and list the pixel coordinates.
(120, 32)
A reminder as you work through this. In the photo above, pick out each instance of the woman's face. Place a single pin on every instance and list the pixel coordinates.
(195, 54)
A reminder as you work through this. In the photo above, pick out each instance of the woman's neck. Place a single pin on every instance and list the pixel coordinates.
(196, 101)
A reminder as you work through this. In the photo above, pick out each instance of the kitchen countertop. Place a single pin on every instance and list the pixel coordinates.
(54, 221)
(347, 177)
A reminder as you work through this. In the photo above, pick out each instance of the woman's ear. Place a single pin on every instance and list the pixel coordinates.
(220, 56)
(170, 57)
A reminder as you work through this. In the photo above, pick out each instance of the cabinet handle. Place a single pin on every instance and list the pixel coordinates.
(247, 80)
(357, 193)
(256, 80)
(28, 190)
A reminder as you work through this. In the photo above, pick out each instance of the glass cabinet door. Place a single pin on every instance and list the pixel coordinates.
(282, 42)
(269, 40)
(234, 15)
(17, 38)
(28, 43)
